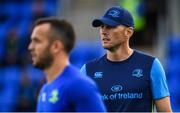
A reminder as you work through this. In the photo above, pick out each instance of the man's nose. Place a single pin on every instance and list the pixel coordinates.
(30, 47)
(105, 28)
(104, 33)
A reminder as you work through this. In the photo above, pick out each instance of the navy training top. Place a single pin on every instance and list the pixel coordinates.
(131, 85)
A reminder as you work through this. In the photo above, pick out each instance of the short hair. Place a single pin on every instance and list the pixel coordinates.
(61, 30)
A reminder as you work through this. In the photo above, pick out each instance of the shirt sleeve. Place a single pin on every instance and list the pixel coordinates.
(158, 81)
(86, 97)
(83, 69)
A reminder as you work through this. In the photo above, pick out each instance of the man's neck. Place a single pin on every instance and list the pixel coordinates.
(56, 69)
(120, 54)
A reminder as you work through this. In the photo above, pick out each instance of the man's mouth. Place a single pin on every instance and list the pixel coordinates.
(32, 55)
(106, 39)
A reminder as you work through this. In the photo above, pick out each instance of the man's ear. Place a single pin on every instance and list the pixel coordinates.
(56, 46)
(129, 32)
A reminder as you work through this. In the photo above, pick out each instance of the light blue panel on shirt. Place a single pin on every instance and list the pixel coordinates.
(158, 81)
(83, 69)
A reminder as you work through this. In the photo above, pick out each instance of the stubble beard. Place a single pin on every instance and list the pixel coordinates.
(45, 61)
(112, 47)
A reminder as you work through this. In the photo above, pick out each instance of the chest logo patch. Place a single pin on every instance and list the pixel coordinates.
(44, 97)
(98, 74)
(54, 96)
(116, 88)
(137, 73)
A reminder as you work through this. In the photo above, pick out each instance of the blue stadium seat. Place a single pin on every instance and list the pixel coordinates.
(18, 14)
(173, 71)
(85, 51)
(35, 74)
(173, 46)
(10, 91)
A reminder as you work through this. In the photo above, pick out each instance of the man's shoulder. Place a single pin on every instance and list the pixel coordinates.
(141, 54)
(97, 60)
(80, 83)
(78, 78)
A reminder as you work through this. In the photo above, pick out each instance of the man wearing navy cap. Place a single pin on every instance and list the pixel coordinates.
(129, 80)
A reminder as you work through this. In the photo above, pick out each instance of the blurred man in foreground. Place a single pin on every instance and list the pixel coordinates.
(66, 89)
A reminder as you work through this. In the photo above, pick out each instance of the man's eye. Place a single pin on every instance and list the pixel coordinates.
(102, 26)
(36, 40)
(107, 26)
(111, 27)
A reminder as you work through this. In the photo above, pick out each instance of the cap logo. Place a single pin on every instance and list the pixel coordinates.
(114, 13)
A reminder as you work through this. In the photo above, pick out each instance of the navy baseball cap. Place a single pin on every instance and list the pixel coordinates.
(115, 16)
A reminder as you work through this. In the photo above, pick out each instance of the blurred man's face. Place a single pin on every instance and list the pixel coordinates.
(39, 47)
